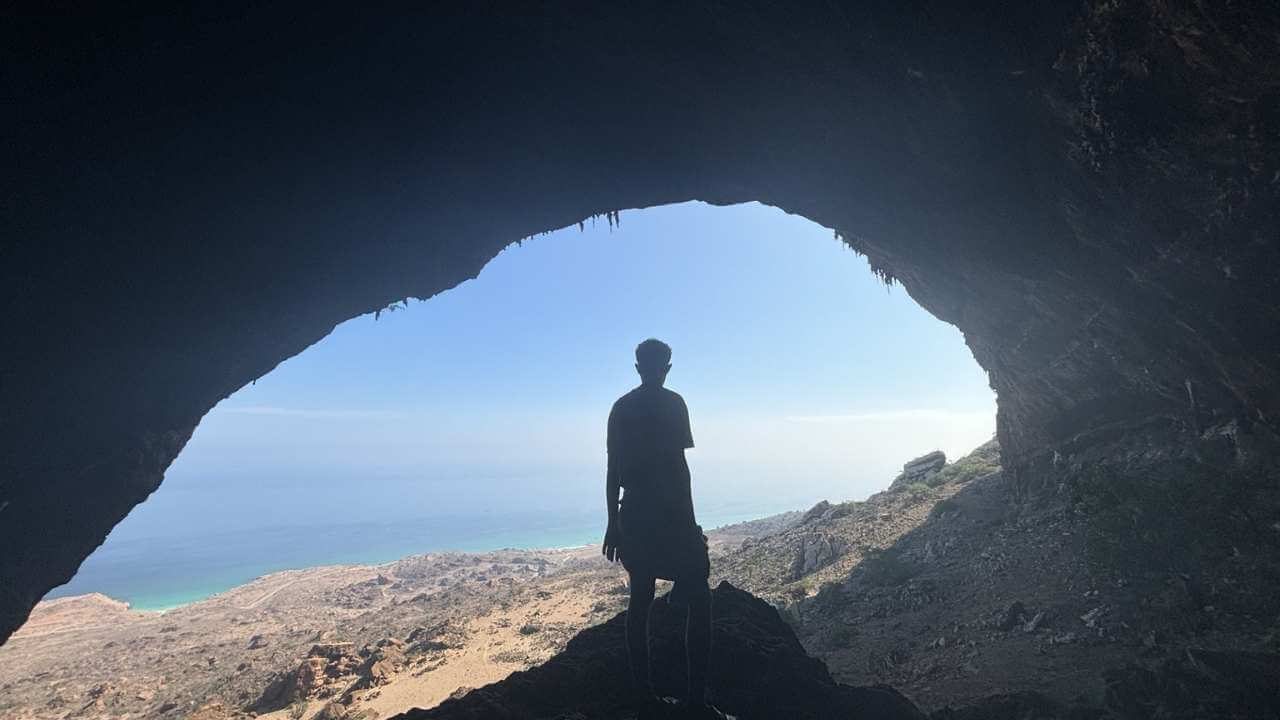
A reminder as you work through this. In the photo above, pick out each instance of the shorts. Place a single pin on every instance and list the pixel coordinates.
(652, 545)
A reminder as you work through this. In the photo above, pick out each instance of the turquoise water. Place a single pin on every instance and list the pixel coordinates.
(162, 572)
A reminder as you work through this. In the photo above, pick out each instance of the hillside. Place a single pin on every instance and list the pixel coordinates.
(382, 639)
(943, 587)
(825, 543)
(948, 589)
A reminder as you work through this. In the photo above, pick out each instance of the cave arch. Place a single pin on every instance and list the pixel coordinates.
(479, 354)
(1086, 191)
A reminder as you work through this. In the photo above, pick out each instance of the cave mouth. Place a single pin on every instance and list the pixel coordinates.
(474, 421)
(1087, 191)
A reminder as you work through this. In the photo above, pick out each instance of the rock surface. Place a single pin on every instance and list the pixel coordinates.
(218, 711)
(958, 596)
(759, 670)
(1086, 190)
(921, 470)
(815, 552)
(454, 618)
(949, 592)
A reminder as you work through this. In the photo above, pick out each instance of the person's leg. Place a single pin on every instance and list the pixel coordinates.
(697, 641)
(642, 588)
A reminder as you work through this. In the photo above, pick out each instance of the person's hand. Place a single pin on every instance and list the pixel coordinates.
(610, 547)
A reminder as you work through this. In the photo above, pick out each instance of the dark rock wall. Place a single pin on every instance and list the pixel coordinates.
(1088, 191)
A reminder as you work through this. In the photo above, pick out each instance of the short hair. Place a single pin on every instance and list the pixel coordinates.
(653, 353)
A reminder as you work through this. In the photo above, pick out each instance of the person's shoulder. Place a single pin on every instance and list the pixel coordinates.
(673, 396)
(626, 399)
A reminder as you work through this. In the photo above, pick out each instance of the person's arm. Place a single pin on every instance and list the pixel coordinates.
(611, 491)
(611, 499)
(612, 486)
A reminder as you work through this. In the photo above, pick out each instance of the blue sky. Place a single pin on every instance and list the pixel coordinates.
(805, 377)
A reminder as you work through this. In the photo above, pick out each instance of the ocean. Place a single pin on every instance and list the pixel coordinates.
(164, 571)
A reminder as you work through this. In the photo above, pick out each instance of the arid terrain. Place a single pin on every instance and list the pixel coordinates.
(378, 639)
(938, 586)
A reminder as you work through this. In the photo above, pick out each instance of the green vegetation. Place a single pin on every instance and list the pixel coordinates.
(849, 507)
(982, 461)
(917, 491)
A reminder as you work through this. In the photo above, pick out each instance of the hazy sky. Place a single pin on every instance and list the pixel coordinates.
(805, 377)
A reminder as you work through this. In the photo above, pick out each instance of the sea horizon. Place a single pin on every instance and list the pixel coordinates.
(165, 572)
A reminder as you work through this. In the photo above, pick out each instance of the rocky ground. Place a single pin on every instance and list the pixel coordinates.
(758, 671)
(948, 590)
(253, 647)
(941, 586)
(367, 640)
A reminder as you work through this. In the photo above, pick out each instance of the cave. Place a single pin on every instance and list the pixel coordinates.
(1088, 191)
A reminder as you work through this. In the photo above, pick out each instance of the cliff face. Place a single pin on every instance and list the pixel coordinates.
(1087, 190)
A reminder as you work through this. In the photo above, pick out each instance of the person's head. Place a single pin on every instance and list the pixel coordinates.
(653, 360)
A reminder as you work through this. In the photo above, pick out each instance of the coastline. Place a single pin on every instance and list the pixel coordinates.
(445, 622)
(488, 614)
(118, 571)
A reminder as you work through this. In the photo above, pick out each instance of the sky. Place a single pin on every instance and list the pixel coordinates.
(806, 379)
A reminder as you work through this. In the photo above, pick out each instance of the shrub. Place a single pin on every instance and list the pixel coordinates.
(984, 460)
(916, 490)
(965, 469)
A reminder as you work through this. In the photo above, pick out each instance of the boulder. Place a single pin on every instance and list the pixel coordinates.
(311, 677)
(816, 512)
(1011, 616)
(815, 552)
(381, 664)
(332, 651)
(920, 470)
(277, 692)
(759, 670)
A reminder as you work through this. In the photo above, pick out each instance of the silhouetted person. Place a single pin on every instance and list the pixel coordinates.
(652, 530)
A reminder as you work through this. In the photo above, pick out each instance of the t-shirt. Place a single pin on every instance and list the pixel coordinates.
(648, 434)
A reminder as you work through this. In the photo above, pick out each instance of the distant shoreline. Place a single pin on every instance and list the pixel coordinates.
(156, 588)
(457, 619)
